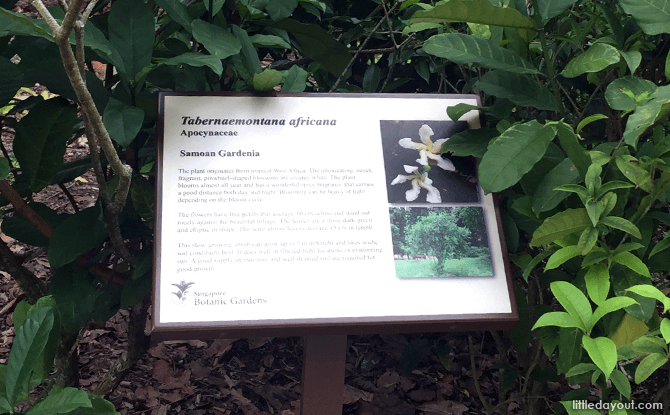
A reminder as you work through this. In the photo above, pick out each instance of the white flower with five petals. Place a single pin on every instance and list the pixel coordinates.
(428, 149)
(419, 181)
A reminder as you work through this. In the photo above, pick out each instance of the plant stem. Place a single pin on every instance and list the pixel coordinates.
(482, 398)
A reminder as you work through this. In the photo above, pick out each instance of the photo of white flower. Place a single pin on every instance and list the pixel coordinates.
(413, 153)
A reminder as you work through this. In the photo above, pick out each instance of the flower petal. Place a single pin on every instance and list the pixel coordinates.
(413, 193)
(425, 132)
(437, 145)
(400, 179)
(410, 169)
(423, 160)
(408, 143)
(433, 193)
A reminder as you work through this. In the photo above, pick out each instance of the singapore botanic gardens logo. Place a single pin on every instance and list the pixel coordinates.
(182, 293)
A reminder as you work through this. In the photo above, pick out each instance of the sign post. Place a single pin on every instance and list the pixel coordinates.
(321, 216)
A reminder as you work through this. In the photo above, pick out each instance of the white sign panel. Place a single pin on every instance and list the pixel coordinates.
(299, 208)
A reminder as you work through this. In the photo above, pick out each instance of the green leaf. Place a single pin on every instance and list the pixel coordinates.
(270, 41)
(122, 121)
(266, 80)
(630, 167)
(616, 95)
(61, 402)
(621, 224)
(632, 262)
(595, 59)
(470, 142)
(552, 8)
(602, 352)
(653, 16)
(627, 331)
(217, 40)
(647, 114)
(216, 6)
(20, 314)
(513, 154)
(569, 349)
(455, 112)
(573, 300)
(560, 225)
(17, 24)
(609, 306)
(588, 120)
(651, 292)
(522, 90)
(587, 240)
(648, 366)
(28, 344)
(5, 169)
(580, 369)
(196, 60)
(562, 255)
(319, 45)
(296, 80)
(131, 34)
(559, 319)
(660, 246)
(76, 235)
(539, 258)
(597, 280)
(465, 50)
(633, 59)
(621, 383)
(281, 9)
(371, 78)
(473, 11)
(248, 53)
(99, 406)
(74, 290)
(177, 12)
(665, 330)
(41, 137)
(613, 185)
(10, 81)
(18, 227)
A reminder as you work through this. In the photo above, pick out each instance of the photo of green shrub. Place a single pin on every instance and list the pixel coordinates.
(432, 242)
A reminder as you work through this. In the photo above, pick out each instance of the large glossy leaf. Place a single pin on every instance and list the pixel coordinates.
(177, 12)
(653, 16)
(295, 80)
(473, 11)
(19, 228)
(602, 352)
(248, 53)
(318, 45)
(573, 300)
(10, 81)
(560, 225)
(630, 261)
(651, 292)
(630, 167)
(41, 137)
(609, 306)
(61, 402)
(558, 319)
(74, 290)
(76, 235)
(562, 255)
(570, 143)
(131, 34)
(465, 49)
(470, 142)
(597, 280)
(595, 59)
(280, 9)
(266, 80)
(122, 121)
(513, 154)
(648, 366)
(29, 342)
(142, 195)
(522, 90)
(569, 349)
(621, 224)
(545, 197)
(552, 8)
(269, 41)
(217, 40)
(197, 60)
(17, 24)
(647, 114)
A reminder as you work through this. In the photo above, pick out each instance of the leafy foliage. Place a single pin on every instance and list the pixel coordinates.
(576, 142)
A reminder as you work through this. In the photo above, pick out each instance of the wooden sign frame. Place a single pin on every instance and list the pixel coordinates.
(344, 157)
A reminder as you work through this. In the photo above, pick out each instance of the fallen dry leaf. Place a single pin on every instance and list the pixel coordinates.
(443, 408)
(352, 395)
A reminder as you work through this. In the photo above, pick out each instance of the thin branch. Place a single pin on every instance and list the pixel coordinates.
(32, 287)
(46, 15)
(482, 398)
(63, 5)
(365, 42)
(69, 196)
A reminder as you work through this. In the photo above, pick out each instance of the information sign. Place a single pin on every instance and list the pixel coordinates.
(299, 214)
